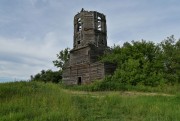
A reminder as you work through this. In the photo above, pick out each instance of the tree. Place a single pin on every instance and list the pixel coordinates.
(62, 58)
(53, 76)
(47, 76)
(138, 62)
(171, 59)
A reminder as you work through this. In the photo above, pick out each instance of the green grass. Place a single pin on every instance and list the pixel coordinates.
(33, 101)
(141, 108)
(101, 86)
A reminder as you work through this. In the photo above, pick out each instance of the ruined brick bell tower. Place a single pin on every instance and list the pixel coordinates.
(90, 42)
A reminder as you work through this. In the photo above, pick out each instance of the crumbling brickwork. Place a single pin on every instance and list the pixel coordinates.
(90, 42)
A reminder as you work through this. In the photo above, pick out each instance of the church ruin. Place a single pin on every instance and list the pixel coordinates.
(90, 42)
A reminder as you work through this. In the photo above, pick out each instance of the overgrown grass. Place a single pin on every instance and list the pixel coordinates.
(101, 85)
(125, 108)
(33, 101)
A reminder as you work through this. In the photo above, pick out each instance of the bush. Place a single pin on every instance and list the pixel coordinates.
(144, 63)
(48, 76)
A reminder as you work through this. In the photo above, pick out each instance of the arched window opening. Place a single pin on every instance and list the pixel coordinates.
(79, 28)
(99, 24)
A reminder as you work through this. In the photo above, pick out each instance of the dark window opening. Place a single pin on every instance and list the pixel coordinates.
(79, 42)
(102, 41)
(79, 81)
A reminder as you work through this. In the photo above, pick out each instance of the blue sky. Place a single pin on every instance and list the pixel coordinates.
(32, 32)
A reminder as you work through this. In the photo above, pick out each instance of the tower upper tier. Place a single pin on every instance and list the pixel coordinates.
(89, 28)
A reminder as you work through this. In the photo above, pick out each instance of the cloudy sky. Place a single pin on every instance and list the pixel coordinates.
(32, 32)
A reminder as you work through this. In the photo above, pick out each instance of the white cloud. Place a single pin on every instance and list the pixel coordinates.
(32, 32)
(21, 57)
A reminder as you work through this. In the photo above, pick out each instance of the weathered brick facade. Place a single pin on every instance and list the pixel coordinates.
(90, 42)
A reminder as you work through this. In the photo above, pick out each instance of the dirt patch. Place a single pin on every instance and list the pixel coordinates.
(121, 93)
(134, 93)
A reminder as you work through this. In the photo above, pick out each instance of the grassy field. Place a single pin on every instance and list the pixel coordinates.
(33, 101)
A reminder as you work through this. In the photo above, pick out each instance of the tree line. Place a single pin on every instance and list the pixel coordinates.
(145, 63)
(138, 63)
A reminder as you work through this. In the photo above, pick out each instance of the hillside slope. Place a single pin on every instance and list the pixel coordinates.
(33, 101)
